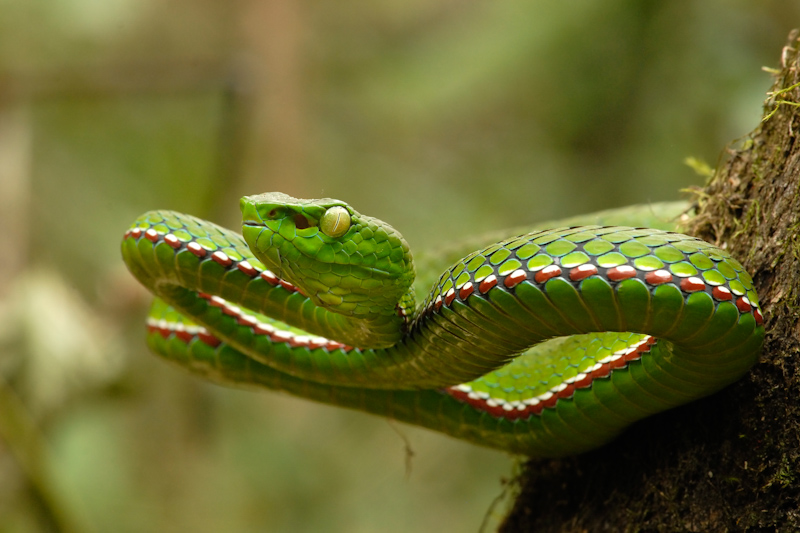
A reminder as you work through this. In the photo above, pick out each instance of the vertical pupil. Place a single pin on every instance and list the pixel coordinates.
(335, 222)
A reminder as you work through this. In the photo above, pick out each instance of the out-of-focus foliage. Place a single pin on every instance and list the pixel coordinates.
(443, 117)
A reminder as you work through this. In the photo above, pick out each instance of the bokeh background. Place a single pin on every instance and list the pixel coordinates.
(443, 117)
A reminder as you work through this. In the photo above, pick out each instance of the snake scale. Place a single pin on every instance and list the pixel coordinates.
(547, 343)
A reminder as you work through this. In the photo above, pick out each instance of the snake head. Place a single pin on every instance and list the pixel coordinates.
(344, 261)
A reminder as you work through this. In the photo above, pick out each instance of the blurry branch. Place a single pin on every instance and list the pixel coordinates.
(230, 79)
(234, 126)
(108, 81)
(15, 165)
(274, 33)
(19, 432)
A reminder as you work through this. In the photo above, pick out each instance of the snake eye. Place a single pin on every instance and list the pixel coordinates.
(335, 222)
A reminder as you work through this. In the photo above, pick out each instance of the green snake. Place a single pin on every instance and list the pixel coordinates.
(548, 343)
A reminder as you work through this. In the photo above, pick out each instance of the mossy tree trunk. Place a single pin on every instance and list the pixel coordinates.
(730, 462)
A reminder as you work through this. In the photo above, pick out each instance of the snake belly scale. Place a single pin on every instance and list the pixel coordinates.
(548, 343)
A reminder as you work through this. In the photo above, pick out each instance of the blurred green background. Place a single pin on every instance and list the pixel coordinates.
(443, 117)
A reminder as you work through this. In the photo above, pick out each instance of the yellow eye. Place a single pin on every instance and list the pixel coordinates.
(335, 222)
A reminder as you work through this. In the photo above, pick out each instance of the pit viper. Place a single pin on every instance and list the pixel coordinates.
(547, 343)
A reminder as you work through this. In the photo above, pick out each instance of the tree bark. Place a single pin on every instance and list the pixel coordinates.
(729, 462)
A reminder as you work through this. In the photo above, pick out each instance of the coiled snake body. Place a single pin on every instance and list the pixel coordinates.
(548, 343)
